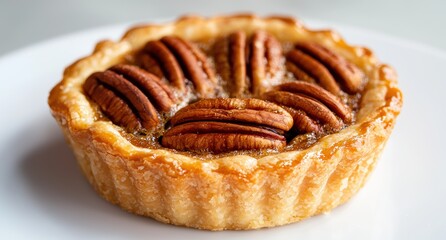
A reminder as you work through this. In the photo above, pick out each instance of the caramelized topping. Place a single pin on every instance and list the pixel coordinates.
(249, 66)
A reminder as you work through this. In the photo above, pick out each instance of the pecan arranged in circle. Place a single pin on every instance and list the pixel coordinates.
(238, 59)
(228, 124)
(130, 96)
(176, 60)
(312, 107)
(312, 62)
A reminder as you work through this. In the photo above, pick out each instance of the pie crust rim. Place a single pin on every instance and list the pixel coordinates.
(235, 192)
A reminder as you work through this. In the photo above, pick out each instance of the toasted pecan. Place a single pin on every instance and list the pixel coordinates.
(130, 96)
(310, 102)
(222, 125)
(176, 60)
(314, 62)
(247, 64)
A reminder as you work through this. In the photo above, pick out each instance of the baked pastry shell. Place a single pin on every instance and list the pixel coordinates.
(239, 191)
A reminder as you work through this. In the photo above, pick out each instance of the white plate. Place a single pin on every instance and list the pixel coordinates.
(44, 195)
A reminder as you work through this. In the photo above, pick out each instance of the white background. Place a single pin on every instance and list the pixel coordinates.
(44, 196)
(27, 22)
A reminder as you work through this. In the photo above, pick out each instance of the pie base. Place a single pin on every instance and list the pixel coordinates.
(240, 191)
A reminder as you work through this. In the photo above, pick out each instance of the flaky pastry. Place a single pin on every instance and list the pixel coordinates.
(230, 122)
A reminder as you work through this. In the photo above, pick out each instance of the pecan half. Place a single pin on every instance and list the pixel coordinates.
(264, 60)
(312, 107)
(228, 124)
(130, 96)
(238, 58)
(176, 60)
(231, 63)
(312, 62)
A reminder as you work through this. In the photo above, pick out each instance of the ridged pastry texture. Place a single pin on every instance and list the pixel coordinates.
(240, 191)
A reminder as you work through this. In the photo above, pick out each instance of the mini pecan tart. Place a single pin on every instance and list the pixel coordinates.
(231, 122)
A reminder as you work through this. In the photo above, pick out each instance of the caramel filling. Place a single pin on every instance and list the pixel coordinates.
(255, 95)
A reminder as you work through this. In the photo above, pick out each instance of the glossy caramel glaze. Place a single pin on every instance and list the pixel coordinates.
(295, 141)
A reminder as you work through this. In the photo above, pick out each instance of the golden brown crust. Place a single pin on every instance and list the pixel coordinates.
(237, 192)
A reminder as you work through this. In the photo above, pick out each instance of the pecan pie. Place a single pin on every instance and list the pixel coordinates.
(232, 122)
